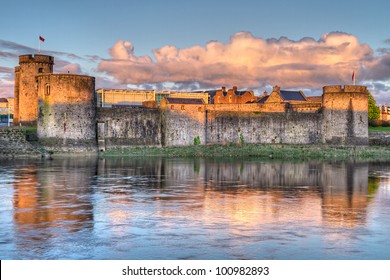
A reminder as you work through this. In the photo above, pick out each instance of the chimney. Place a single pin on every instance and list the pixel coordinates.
(223, 89)
(276, 88)
(265, 93)
(234, 88)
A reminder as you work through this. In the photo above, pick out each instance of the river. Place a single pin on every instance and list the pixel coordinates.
(193, 208)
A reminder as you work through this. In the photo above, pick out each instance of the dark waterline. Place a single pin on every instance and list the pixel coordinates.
(161, 208)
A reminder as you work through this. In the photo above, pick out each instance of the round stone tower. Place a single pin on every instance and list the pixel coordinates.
(26, 98)
(66, 112)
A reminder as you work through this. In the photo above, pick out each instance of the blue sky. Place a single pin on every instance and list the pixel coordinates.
(204, 44)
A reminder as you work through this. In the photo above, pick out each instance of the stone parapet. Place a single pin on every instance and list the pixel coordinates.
(346, 88)
(37, 58)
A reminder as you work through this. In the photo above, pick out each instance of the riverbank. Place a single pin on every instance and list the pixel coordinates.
(277, 151)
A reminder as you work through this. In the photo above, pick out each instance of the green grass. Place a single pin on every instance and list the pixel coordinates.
(379, 129)
(31, 128)
(274, 151)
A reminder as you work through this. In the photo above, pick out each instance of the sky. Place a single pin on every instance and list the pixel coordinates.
(204, 44)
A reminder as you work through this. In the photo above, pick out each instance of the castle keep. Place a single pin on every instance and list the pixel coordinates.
(64, 106)
(25, 93)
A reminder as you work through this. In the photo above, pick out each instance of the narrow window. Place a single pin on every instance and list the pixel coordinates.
(40, 70)
(47, 89)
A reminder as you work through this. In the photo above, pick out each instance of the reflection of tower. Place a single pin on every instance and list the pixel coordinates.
(26, 98)
(344, 201)
(51, 199)
(26, 197)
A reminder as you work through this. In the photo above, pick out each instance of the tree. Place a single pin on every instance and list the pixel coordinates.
(373, 110)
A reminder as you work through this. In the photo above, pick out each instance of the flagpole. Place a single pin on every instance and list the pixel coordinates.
(39, 45)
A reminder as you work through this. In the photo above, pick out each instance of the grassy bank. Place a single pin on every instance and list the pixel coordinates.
(261, 151)
(378, 129)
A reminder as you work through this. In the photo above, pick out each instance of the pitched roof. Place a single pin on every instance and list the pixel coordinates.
(314, 98)
(292, 95)
(241, 92)
(4, 100)
(263, 99)
(173, 100)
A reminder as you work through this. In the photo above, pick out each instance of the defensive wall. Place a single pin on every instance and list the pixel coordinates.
(13, 143)
(127, 127)
(342, 120)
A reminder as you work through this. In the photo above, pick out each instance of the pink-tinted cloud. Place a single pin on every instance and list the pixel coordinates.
(248, 61)
(6, 81)
(72, 68)
(6, 88)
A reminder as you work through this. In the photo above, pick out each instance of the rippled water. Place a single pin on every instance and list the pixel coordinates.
(161, 208)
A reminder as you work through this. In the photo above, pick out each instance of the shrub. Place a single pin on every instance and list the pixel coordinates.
(385, 123)
(375, 123)
(241, 139)
(196, 140)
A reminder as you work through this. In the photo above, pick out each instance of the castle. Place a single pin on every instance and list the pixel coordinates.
(64, 107)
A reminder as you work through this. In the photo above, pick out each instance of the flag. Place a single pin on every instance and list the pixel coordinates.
(41, 38)
(353, 76)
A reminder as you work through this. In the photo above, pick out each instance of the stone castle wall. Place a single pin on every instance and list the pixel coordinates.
(128, 127)
(180, 127)
(264, 128)
(13, 143)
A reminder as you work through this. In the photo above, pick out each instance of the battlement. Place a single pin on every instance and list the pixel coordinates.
(37, 58)
(66, 76)
(345, 88)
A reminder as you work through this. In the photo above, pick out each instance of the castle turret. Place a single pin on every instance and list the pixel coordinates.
(16, 95)
(26, 98)
(66, 112)
(345, 115)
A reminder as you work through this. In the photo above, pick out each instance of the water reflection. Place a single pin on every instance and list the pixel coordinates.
(166, 208)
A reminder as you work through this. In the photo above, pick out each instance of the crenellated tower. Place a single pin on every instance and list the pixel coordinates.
(26, 94)
(345, 115)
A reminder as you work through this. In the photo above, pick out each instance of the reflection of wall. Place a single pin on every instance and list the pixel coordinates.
(269, 174)
(249, 209)
(342, 187)
(250, 191)
(73, 194)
